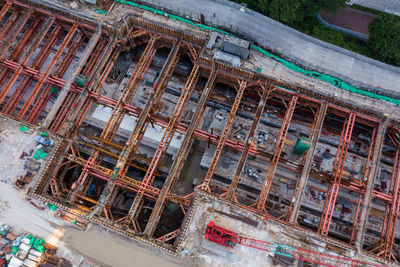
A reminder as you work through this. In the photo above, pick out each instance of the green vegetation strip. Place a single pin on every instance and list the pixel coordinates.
(323, 77)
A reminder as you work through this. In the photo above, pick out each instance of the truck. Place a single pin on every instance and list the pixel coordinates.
(41, 140)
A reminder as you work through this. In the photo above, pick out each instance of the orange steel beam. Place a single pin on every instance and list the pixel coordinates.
(5, 8)
(25, 40)
(95, 56)
(28, 55)
(115, 156)
(391, 219)
(166, 139)
(67, 87)
(169, 236)
(370, 172)
(47, 72)
(8, 25)
(131, 89)
(37, 64)
(133, 141)
(307, 161)
(45, 95)
(12, 35)
(330, 200)
(123, 180)
(84, 101)
(116, 116)
(262, 199)
(181, 155)
(10, 32)
(224, 135)
(17, 52)
(230, 194)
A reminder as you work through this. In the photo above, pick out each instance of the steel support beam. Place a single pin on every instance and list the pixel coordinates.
(5, 8)
(262, 199)
(303, 178)
(389, 226)
(330, 200)
(85, 101)
(132, 142)
(31, 73)
(181, 156)
(116, 116)
(47, 72)
(92, 43)
(13, 33)
(28, 55)
(230, 194)
(45, 95)
(166, 139)
(224, 136)
(373, 166)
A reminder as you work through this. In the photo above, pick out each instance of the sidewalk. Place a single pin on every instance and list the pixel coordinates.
(388, 6)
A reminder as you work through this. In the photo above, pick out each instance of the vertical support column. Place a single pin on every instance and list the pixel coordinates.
(165, 140)
(222, 139)
(181, 156)
(37, 64)
(12, 35)
(133, 82)
(132, 142)
(262, 199)
(28, 55)
(230, 195)
(8, 25)
(390, 226)
(75, 117)
(93, 41)
(5, 8)
(329, 205)
(373, 165)
(47, 72)
(302, 180)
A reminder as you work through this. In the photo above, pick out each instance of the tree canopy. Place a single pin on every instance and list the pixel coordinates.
(293, 11)
(384, 38)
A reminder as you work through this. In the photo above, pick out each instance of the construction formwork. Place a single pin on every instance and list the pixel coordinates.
(89, 171)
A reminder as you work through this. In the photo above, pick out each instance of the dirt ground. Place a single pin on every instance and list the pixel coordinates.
(96, 245)
(350, 18)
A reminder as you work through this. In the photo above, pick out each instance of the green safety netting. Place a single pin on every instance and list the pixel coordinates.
(44, 134)
(100, 11)
(323, 77)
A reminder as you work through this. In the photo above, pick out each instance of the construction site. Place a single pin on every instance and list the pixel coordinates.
(153, 127)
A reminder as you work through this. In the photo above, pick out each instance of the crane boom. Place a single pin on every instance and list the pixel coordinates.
(228, 238)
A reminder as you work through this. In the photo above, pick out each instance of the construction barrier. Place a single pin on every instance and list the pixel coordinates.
(323, 77)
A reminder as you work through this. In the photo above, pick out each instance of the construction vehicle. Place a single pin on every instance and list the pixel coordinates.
(20, 183)
(228, 238)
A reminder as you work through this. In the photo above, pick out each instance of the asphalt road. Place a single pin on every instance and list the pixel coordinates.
(309, 52)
